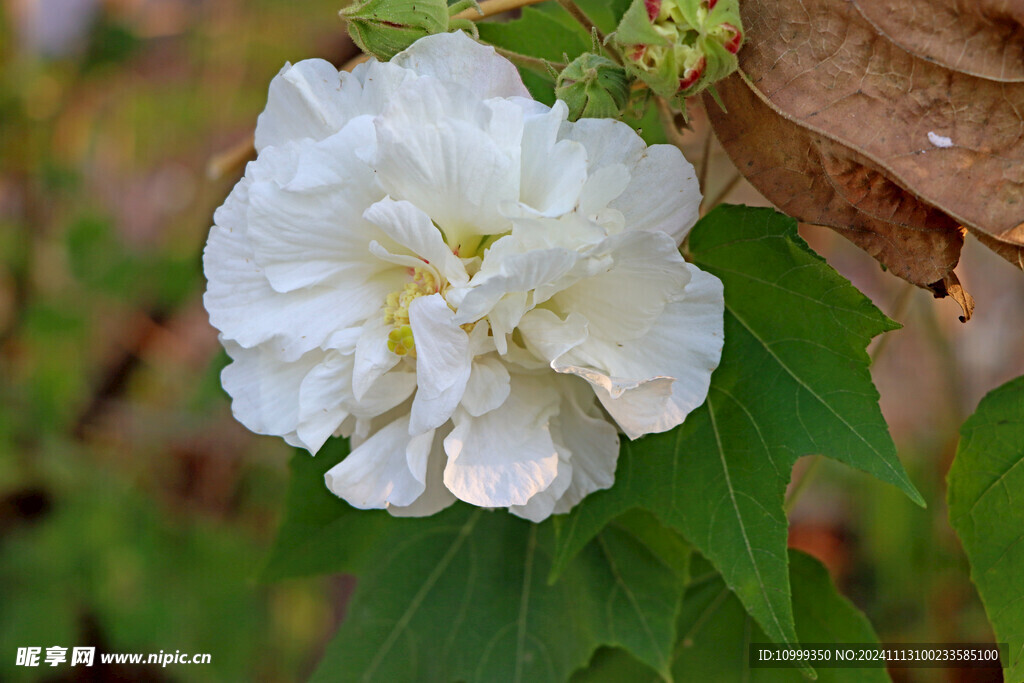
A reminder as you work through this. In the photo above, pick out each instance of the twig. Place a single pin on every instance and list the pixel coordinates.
(527, 61)
(668, 123)
(581, 17)
(488, 8)
(705, 162)
(723, 193)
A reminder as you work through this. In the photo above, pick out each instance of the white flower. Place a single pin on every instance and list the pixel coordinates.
(427, 260)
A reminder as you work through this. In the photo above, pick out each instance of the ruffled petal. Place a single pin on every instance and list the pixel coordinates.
(323, 394)
(456, 158)
(506, 456)
(553, 172)
(547, 336)
(303, 102)
(372, 356)
(377, 473)
(413, 229)
(265, 389)
(645, 272)
(305, 212)
(650, 384)
(458, 58)
(591, 440)
(650, 203)
(443, 362)
(516, 272)
(488, 386)
(244, 307)
(436, 496)
(542, 504)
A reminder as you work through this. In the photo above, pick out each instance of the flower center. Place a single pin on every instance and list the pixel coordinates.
(396, 310)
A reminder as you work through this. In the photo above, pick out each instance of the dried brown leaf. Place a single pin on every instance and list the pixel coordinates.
(980, 37)
(819, 181)
(953, 139)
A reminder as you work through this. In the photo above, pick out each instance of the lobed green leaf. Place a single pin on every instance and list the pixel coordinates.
(793, 381)
(986, 508)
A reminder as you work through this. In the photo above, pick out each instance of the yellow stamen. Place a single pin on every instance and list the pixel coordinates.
(396, 310)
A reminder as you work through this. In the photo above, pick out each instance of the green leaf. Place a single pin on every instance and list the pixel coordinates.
(463, 596)
(715, 633)
(321, 533)
(986, 508)
(793, 380)
(545, 34)
(605, 14)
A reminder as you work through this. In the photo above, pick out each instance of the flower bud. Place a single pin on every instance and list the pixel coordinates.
(594, 87)
(383, 28)
(680, 47)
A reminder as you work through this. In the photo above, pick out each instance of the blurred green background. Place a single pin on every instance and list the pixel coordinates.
(135, 512)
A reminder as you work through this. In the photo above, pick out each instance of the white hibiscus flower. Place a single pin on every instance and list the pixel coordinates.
(427, 260)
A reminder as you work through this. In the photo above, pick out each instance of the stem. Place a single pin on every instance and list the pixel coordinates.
(705, 161)
(527, 61)
(668, 123)
(580, 16)
(489, 8)
(802, 484)
(231, 160)
(724, 192)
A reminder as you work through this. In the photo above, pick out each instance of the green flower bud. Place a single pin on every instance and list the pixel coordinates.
(383, 28)
(680, 47)
(594, 87)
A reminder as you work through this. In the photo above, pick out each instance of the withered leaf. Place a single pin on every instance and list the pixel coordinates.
(980, 37)
(904, 113)
(818, 181)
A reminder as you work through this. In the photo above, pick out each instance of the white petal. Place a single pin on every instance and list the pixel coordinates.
(663, 194)
(245, 309)
(592, 441)
(456, 159)
(265, 389)
(504, 316)
(443, 362)
(684, 346)
(305, 212)
(543, 503)
(515, 273)
(622, 303)
(553, 173)
(488, 386)
(506, 456)
(322, 397)
(304, 102)
(377, 473)
(548, 336)
(602, 187)
(607, 141)
(436, 496)
(372, 357)
(412, 228)
(458, 58)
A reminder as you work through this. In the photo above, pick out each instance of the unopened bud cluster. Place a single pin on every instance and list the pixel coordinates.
(680, 47)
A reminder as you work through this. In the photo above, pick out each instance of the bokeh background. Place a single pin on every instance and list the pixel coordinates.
(135, 512)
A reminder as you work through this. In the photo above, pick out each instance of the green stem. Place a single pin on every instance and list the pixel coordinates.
(580, 16)
(540, 65)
